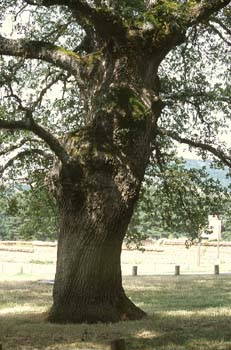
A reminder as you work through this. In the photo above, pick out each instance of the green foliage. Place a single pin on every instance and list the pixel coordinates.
(226, 222)
(38, 213)
(195, 84)
(129, 9)
(27, 214)
(9, 220)
(176, 202)
(160, 14)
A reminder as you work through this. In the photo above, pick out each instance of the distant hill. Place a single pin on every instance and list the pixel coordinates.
(219, 174)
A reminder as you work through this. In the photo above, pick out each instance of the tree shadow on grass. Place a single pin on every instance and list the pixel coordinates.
(178, 332)
(187, 292)
(185, 332)
(190, 312)
(24, 292)
(186, 314)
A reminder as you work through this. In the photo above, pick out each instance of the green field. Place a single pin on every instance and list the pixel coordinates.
(184, 313)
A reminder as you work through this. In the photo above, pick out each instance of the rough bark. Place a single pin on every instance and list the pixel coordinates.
(96, 191)
(96, 196)
(88, 285)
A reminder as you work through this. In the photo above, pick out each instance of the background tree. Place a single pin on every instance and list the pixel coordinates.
(27, 213)
(110, 61)
(175, 201)
(8, 216)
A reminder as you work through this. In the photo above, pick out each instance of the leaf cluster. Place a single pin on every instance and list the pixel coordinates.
(27, 214)
(177, 201)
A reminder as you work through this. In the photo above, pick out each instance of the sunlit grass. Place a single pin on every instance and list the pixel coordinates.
(184, 313)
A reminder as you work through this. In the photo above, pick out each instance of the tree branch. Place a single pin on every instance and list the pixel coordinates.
(188, 15)
(225, 158)
(21, 155)
(41, 50)
(186, 96)
(51, 141)
(219, 34)
(106, 23)
(30, 125)
(46, 88)
(13, 125)
(18, 145)
(221, 24)
(204, 9)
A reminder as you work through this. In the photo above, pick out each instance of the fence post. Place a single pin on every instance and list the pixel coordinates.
(134, 270)
(118, 344)
(216, 269)
(177, 270)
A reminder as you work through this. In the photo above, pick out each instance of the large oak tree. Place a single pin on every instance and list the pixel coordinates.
(117, 65)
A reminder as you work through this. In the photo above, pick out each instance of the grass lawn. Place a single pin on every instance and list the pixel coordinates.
(184, 313)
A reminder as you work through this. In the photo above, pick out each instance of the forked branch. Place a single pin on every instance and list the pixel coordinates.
(30, 125)
(21, 155)
(204, 9)
(18, 145)
(221, 155)
(106, 23)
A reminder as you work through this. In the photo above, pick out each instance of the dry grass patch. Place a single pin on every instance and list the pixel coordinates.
(187, 312)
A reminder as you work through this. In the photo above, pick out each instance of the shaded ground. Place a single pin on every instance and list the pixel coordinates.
(186, 312)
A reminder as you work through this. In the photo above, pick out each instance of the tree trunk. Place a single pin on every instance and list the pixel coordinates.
(96, 193)
(88, 284)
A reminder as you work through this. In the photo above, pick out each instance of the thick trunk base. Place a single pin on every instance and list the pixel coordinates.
(105, 311)
(93, 221)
